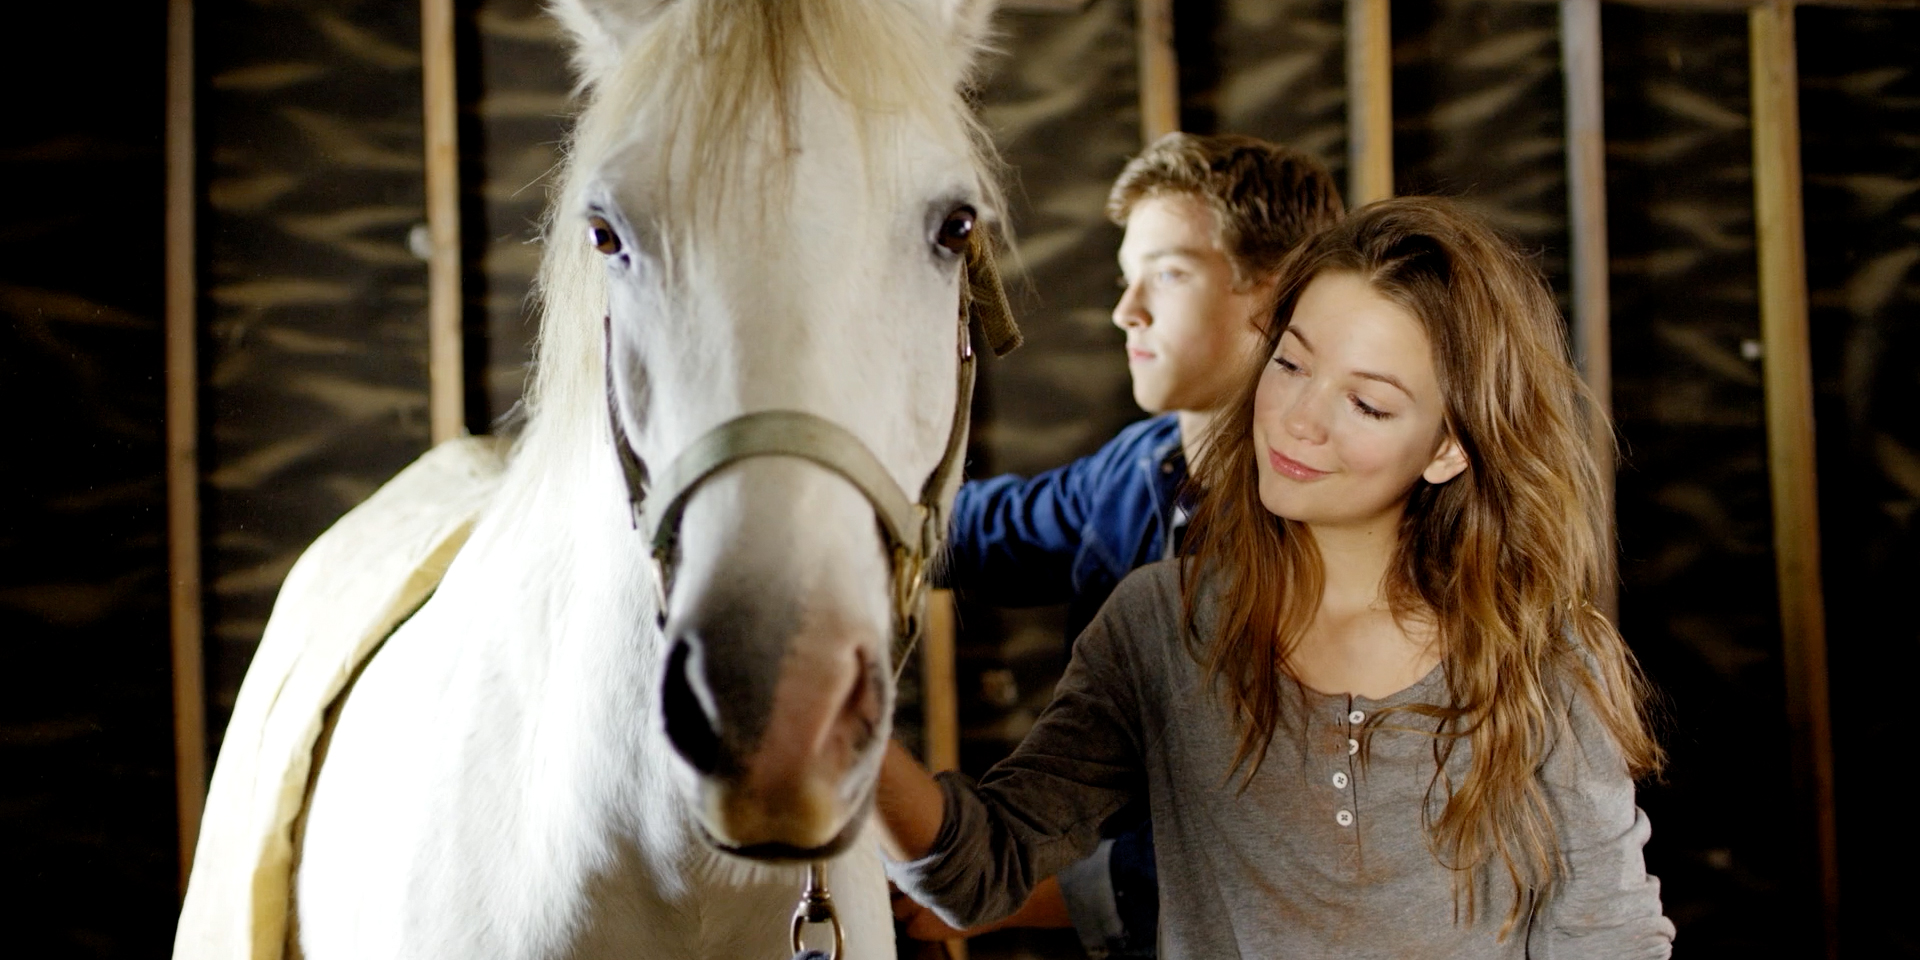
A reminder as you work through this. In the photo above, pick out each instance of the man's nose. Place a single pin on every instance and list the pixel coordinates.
(1131, 312)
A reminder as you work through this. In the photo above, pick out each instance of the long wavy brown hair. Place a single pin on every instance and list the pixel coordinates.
(1504, 560)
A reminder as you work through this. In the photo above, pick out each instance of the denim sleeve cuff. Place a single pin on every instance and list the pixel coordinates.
(1087, 887)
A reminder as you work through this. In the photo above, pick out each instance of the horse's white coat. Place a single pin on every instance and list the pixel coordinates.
(498, 784)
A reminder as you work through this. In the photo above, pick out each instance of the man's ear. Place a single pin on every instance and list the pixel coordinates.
(1448, 462)
(601, 30)
(1261, 289)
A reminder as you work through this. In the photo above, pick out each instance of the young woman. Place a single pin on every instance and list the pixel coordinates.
(1375, 712)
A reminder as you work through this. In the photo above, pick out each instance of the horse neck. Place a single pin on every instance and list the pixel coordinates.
(561, 594)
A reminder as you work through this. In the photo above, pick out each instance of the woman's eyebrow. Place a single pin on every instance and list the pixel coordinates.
(1385, 378)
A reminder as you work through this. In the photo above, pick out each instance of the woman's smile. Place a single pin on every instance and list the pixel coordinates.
(1288, 467)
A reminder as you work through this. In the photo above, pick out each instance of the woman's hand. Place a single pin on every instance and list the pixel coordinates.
(909, 804)
(923, 924)
(1045, 908)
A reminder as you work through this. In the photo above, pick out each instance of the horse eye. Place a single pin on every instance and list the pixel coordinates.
(604, 239)
(957, 229)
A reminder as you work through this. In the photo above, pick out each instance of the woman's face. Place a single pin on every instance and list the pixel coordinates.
(1348, 413)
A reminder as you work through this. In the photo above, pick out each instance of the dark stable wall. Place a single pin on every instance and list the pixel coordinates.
(87, 836)
(1697, 599)
(1860, 145)
(313, 363)
(1732, 842)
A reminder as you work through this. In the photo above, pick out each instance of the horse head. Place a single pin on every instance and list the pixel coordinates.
(778, 199)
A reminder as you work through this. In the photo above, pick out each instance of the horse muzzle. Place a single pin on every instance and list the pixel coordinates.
(785, 746)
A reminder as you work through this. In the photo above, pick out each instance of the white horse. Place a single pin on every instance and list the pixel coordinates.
(654, 684)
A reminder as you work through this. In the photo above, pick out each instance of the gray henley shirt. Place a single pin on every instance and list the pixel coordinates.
(1321, 856)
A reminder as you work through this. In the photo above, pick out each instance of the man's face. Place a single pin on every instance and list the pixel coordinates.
(1190, 331)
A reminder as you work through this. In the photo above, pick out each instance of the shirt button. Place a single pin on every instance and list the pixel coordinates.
(1353, 746)
(1344, 818)
(1356, 718)
(1340, 779)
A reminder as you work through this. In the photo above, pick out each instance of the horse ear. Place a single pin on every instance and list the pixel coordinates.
(966, 22)
(601, 30)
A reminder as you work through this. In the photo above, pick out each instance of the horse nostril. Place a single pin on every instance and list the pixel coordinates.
(689, 726)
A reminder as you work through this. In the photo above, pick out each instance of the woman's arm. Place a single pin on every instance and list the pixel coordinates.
(975, 852)
(1605, 904)
(1045, 909)
(909, 805)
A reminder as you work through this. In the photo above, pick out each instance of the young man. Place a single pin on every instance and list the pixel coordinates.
(1208, 220)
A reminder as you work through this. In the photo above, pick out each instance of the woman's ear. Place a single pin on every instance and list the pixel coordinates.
(1448, 462)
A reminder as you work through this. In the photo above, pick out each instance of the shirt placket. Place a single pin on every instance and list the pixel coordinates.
(1326, 767)
(1342, 777)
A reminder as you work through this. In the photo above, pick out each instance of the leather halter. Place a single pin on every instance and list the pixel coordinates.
(912, 530)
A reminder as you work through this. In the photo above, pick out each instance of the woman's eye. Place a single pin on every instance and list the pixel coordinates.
(1369, 411)
(600, 232)
(1286, 365)
(957, 230)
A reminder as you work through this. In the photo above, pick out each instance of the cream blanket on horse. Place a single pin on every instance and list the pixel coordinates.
(359, 581)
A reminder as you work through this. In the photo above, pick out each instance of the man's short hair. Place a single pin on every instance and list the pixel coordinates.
(1266, 198)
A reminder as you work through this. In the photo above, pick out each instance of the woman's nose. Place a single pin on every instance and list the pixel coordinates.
(1131, 312)
(1303, 417)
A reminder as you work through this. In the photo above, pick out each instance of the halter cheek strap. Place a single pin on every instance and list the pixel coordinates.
(912, 530)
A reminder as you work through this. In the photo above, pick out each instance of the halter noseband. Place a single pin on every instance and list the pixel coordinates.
(913, 531)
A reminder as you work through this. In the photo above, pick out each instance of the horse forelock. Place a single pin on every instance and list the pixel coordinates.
(718, 84)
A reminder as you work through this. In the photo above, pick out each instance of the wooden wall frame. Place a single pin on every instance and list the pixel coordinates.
(181, 331)
(1580, 59)
(1787, 375)
(1369, 102)
(1159, 70)
(446, 364)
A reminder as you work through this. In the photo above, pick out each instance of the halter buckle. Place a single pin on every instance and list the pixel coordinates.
(816, 907)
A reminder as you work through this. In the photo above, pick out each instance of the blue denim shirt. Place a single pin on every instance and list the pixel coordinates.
(1068, 536)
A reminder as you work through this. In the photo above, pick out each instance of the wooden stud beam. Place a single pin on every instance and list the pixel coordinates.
(1369, 102)
(940, 702)
(183, 441)
(1788, 379)
(446, 368)
(1587, 229)
(1159, 71)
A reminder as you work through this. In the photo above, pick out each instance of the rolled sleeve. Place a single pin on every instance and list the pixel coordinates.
(1039, 810)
